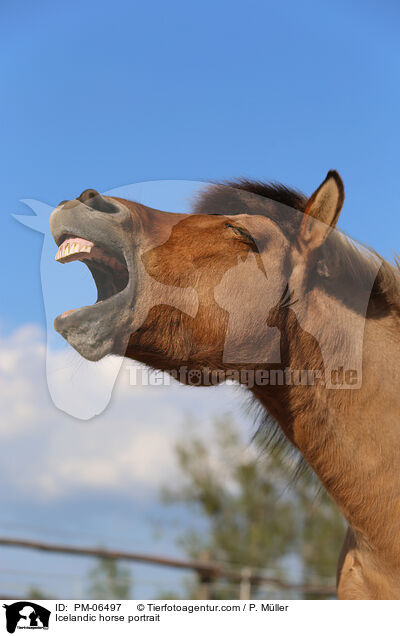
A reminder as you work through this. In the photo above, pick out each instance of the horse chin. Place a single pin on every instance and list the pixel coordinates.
(100, 329)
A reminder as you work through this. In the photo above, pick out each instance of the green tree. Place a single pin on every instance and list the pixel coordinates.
(34, 592)
(248, 513)
(109, 580)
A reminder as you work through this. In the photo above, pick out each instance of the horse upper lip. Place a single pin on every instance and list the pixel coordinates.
(85, 231)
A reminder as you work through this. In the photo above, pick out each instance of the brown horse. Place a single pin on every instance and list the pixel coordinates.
(257, 284)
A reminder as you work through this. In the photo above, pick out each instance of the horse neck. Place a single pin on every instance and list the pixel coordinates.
(350, 437)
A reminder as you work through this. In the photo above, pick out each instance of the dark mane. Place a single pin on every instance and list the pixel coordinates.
(273, 190)
(273, 200)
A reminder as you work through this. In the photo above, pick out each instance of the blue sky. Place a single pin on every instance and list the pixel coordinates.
(102, 95)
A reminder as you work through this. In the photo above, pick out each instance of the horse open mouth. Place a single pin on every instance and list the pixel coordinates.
(109, 273)
(96, 230)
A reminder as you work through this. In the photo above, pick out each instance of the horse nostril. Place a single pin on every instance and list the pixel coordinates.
(87, 195)
(94, 200)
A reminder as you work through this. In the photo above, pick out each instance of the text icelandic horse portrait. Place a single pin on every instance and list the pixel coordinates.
(258, 285)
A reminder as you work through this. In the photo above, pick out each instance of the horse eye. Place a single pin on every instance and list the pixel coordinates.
(240, 232)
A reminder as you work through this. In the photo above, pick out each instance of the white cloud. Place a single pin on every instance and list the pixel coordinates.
(128, 448)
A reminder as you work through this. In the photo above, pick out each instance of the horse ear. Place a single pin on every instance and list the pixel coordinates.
(322, 212)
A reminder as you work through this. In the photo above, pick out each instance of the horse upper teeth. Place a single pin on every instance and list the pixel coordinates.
(69, 248)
